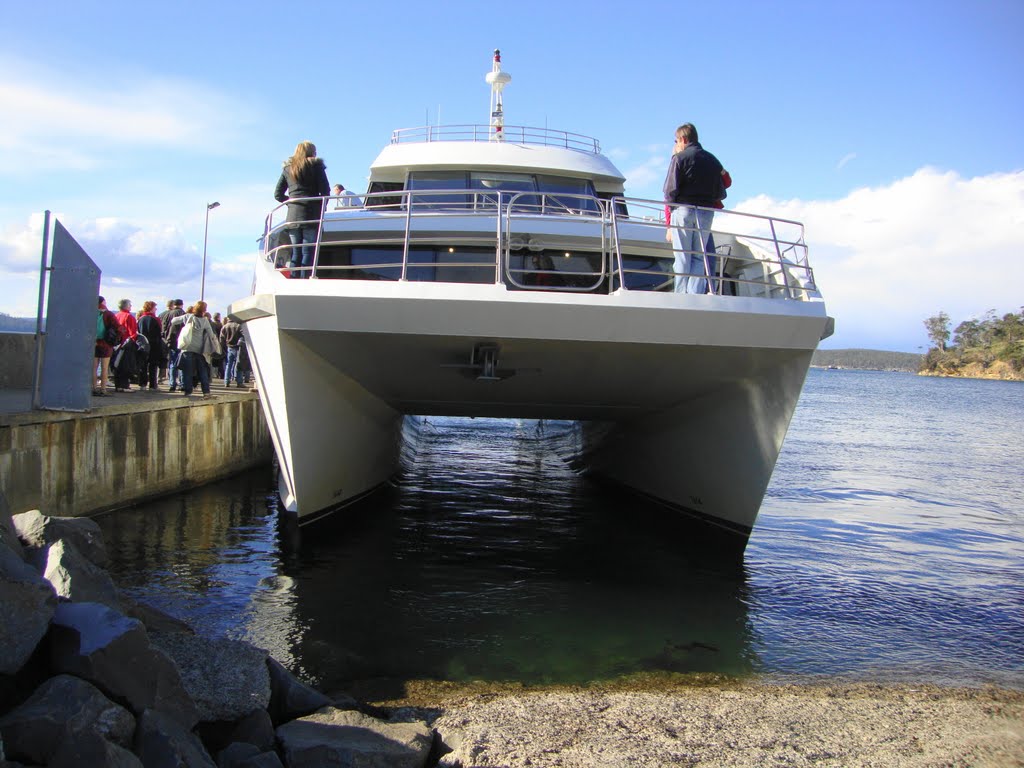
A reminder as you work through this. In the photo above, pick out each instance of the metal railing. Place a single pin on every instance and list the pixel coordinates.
(517, 238)
(512, 134)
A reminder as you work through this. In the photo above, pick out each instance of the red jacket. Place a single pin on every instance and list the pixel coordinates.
(129, 325)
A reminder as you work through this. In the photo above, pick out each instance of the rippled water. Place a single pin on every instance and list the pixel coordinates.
(890, 546)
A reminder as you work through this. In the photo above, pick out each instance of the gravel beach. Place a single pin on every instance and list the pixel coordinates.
(741, 724)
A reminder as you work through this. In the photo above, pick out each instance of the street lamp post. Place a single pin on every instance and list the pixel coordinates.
(206, 230)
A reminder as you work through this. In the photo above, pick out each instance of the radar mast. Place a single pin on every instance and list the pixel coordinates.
(497, 80)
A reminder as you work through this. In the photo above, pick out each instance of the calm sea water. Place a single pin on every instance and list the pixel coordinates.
(890, 547)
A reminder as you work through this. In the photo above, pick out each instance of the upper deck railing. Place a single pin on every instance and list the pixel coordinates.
(512, 134)
(542, 241)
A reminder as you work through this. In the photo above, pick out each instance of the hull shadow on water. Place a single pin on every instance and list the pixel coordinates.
(492, 561)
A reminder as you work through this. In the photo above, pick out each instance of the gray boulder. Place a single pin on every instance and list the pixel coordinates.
(227, 679)
(345, 737)
(112, 651)
(40, 531)
(90, 749)
(8, 535)
(256, 728)
(27, 603)
(247, 756)
(290, 697)
(76, 578)
(161, 742)
(60, 708)
(235, 754)
(262, 760)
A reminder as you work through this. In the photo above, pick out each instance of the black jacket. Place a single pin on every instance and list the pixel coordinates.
(312, 182)
(170, 330)
(694, 178)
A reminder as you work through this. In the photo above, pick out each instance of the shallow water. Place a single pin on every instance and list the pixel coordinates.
(890, 547)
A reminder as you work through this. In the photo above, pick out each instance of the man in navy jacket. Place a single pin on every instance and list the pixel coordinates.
(694, 187)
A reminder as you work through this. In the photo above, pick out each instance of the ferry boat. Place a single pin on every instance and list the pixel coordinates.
(501, 271)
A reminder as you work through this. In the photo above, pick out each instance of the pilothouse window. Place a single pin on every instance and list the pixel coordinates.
(558, 193)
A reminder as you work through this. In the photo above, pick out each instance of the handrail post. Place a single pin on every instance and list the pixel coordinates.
(499, 249)
(408, 230)
(778, 254)
(618, 249)
(319, 235)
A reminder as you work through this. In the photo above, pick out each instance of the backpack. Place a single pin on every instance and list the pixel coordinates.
(112, 334)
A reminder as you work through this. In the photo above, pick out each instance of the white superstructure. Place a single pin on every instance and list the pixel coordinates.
(500, 271)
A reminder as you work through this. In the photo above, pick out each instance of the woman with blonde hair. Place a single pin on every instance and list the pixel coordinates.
(304, 186)
(195, 339)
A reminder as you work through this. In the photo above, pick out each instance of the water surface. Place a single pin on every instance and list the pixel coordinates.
(890, 547)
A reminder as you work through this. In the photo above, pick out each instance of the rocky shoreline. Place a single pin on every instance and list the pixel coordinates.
(90, 677)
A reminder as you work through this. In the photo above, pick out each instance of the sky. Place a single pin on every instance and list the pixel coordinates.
(893, 131)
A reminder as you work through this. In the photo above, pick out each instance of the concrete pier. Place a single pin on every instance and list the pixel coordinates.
(127, 448)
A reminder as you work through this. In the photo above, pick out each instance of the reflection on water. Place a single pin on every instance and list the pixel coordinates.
(890, 547)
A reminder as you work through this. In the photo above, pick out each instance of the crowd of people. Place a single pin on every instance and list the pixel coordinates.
(179, 348)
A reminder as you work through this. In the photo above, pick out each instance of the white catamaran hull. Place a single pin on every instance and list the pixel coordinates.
(684, 399)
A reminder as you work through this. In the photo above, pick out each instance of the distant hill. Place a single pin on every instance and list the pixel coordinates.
(17, 324)
(867, 359)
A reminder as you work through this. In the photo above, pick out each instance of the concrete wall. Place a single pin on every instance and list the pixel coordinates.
(81, 464)
(17, 351)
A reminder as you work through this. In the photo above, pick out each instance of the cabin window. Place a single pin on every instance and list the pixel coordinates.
(375, 198)
(439, 182)
(441, 263)
(562, 192)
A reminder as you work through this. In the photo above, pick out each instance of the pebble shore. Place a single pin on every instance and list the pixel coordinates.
(732, 724)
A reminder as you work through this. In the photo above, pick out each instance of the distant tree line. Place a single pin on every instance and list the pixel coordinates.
(867, 359)
(17, 324)
(992, 342)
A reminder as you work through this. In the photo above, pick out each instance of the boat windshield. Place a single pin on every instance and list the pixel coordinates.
(482, 188)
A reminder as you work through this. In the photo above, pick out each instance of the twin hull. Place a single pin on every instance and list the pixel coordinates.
(684, 398)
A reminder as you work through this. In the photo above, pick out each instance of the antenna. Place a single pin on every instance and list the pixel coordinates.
(497, 80)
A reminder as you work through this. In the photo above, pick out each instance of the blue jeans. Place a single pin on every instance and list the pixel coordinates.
(231, 367)
(174, 367)
(194, 363)
(303, 239)
(691, 233)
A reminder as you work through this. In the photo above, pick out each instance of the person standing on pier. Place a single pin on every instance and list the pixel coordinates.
(303, 185)
(129, 330)
(108, 334)
(230, 334)
(192, 341)
(171, 331)
(149, 326)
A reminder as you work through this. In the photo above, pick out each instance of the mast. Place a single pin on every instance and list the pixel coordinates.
(497, 80)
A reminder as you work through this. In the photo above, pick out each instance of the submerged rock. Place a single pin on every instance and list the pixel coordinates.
(62, 707)
(113, 652)
(345, 737)
(227, 679)
(27, 604)
(40, 531)
(152, 618)
(290, 697)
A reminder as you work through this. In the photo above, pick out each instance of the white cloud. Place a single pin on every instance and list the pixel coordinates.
(888, 257)
(101, 116)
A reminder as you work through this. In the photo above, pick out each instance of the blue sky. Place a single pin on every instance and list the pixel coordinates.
(893, 130)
